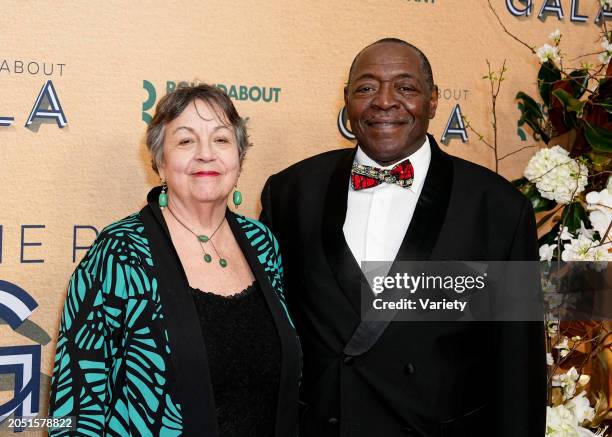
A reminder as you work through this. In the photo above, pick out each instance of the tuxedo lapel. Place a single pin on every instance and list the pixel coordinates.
(430, 211)
(418, 243)
(340, 258)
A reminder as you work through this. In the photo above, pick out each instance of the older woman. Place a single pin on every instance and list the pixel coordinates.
(175, 321)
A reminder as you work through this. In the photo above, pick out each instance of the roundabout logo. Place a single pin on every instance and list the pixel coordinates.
(23, 362)
(252, 93)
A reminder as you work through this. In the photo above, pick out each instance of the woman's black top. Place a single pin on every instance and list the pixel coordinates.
(244, 357)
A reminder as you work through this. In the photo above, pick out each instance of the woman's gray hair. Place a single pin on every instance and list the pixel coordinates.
(174, 103)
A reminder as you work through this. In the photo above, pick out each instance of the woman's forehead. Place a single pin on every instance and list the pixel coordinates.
(200, 110)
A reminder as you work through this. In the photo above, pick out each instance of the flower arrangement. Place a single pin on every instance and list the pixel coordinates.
(573, 176)
(569, 183)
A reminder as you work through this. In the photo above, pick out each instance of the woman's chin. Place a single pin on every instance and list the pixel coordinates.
(210, 197)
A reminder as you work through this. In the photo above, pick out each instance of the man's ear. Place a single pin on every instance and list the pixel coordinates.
(433, 102)
(346, 95)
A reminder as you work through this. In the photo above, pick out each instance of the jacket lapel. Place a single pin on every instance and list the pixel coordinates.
(419, 241)
(287, 408)
(430, 212)
(339, 255)
(188, 351)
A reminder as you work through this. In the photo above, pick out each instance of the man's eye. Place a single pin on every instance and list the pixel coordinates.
(406, 89)
(365, 89)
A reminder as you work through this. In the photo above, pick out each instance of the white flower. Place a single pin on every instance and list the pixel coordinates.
(565, 234)
(552, 327)
(568, 381)
(560, 422)
(583, 432)
(584, 249)
(553, 301)
(585, 232)
(549, 359)
(555, 36)
(604, 57)
(609, 185)
(600, 203)
(563, 344)
(581, 408)
(548, 52)
(557, 176)
(547, 251)
(563, 347)
(605, 3)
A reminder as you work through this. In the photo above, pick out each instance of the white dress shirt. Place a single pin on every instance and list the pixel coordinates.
(377, 218)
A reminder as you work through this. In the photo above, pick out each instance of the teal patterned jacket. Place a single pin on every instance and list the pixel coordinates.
(120, 351)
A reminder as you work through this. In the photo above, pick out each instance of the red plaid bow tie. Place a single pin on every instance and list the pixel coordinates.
(364, 176)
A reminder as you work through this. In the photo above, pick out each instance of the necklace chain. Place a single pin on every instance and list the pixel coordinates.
(203, 239)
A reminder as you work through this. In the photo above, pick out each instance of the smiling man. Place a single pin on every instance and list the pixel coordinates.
(398, 197)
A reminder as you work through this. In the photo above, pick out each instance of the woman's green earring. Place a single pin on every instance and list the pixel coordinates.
(237, 197)
(163, 196)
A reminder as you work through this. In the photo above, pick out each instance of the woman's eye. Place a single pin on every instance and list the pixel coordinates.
(185, 141)
(221, 140)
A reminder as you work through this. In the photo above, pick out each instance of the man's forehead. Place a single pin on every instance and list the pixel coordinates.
(386, 57)
(388, 64)
(386, 69)
(389, 51)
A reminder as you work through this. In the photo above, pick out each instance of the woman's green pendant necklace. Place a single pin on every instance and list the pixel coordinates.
(204, 239)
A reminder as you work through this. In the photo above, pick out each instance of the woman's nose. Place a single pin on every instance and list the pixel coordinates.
(205, 151)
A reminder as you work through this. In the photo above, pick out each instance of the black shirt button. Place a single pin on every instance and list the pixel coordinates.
(332, 421)
(348, 360)
(409, 369)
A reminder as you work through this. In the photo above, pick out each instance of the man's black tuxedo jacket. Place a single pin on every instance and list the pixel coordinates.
(419, 379)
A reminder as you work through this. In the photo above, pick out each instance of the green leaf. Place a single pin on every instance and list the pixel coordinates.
(531, 113)
(606, 104)
(569, 103)
(529, 190)
(529, 104)
(579, 81)
(572, 215)
(547, 76)
(601, 161)
(519, 182)
(541, 204)
(600, 139)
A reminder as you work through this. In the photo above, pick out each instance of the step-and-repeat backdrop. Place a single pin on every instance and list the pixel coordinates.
(79, 81)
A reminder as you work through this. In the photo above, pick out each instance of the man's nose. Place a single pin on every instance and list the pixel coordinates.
(385, 97)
